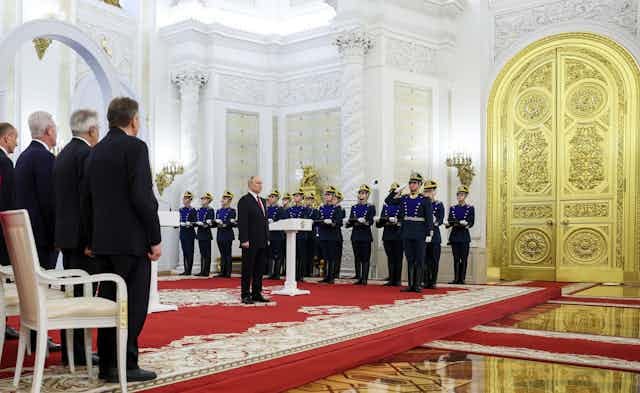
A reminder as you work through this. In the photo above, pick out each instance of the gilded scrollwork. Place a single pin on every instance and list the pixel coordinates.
(579, 70)
(592, 209)
(587, 100)
(586, 158)
(533, 162)
(586, 246)
(541, 77)
(532, 246)
(534, 107)
(533, 212)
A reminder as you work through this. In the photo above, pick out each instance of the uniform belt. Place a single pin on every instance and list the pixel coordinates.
(418, 219)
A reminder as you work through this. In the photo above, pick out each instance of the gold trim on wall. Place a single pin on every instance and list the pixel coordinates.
(625, 264)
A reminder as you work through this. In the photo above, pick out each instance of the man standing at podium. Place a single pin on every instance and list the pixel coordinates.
(253, 231)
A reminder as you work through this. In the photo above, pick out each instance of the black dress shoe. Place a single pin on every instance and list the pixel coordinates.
(135, 375)
(416, 290)
(53, 347)
(247, 300)
(11, 333)
(331, 282)
(453, 282)
(359, 282)
(407, 289)
(202, 275)
(260, 299)
(387, 284)
(185, 274)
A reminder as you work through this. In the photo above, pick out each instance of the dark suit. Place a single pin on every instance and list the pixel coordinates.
(224, 239)
(34, 192)
(253, 227)
(122, 217)
(68, 171)
(7, 198)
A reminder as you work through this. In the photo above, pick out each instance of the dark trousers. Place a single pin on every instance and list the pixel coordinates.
(47, 256)
(362, 258)
(187, 244)
(310, 255)
(301, 251)
(136, 272)
(432, 264)
(329, 251)
(253, 263)
(414, 250)
(75, 259)
(393, 249)
(276, 255)
(205, 256)
(226, 261)
(460, 258)
(339, 246)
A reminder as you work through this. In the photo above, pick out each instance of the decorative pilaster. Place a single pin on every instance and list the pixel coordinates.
(189, 83)
(353, 46)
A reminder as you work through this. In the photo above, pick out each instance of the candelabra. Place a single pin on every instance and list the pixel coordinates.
(167, 175)
(463, 163)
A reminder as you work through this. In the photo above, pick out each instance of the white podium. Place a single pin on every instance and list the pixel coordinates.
(168, 219)
(291, 226)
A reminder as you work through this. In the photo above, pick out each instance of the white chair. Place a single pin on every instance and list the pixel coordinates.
(41, 314)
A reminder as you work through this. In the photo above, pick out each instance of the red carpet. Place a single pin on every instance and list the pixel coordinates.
(364, 324)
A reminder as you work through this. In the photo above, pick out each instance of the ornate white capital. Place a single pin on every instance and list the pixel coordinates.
(353, 43)
(190, 79)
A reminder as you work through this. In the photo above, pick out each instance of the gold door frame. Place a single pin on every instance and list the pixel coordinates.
(627, 239)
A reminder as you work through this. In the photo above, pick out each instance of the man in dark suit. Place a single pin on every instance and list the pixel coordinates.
(34, 185)
(68, 171)
(8, 143)
(123, 227)
(254, 238)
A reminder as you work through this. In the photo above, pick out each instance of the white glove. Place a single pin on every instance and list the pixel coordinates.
(393, 220)
(233, 220)
(427, 239)
(270, 221)
(328, 221)
(361, 220)
(446, 223)
(464, 222)
(209, 222)
(376, 219)
(200, 223)
(183, 224)
(218, 221)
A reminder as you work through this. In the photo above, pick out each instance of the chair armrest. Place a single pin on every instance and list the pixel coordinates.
(121, 286)
(67, 273)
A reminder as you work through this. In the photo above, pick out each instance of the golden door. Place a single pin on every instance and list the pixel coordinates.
(563, 118)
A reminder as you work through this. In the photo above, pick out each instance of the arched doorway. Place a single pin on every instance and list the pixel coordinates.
(563, 121)
(67, 34)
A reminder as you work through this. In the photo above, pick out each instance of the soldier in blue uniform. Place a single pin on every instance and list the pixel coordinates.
(276, 238)
(286, 201)
(417, 225)
(298, 210)
(361, 219)
(337, 198)
(329, 223)
(313, 244)
(461, 218)
(392, 240)
(206, 215)
(432, 254)
(188, 218)
(225, 221)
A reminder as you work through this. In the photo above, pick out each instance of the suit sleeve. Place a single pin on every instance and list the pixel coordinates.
(439, 215)
(371, 212)
(43, 181)
(141, 188)
(243, 221)
(428, 216)
(472, 217)
(392, 200)
(7, 186)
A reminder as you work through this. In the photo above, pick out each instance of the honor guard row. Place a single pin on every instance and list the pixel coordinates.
(410, 218)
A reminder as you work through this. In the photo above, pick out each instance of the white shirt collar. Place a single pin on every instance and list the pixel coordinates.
(42, 143)
(5, 151)
(254, 194)
(82, 139)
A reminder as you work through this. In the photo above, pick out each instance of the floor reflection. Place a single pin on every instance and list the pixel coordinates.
(429, 370)
(606, 321)
(621, 291)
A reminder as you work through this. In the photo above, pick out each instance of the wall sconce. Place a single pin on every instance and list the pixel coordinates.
(463, 163)
(167, 175)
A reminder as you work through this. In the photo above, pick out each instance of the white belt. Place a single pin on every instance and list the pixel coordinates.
(418, 219)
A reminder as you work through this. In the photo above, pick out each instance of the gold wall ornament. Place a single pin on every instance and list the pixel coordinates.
(586, 137)
(115, 3)
(533, 162)
(533, 246)
(167, 175)
(310, 182)
(41, 45)
(463, 163)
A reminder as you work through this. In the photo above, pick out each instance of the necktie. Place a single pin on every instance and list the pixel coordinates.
(260, 204)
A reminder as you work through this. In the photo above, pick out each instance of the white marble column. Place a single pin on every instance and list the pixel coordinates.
(189, 83)
(353, 47)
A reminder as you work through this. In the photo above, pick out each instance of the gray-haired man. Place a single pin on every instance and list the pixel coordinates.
(70, 237)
